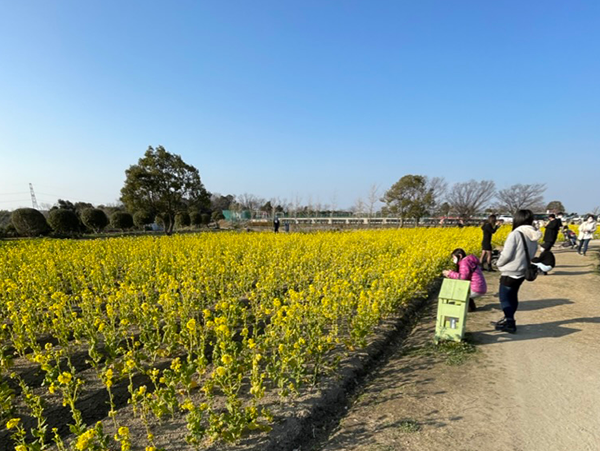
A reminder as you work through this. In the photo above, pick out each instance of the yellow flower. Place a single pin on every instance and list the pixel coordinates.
(83, 441)
(221, 371)
(226, 359)
(13, 422)
(109, 376)
(223, 329)
(191, 325)
(187, 405)
(65, 378)
(176, 364)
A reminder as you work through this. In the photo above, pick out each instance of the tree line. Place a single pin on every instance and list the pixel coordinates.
(418, 196)
(161, 188)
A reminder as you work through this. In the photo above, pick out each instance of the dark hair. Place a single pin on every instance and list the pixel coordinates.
(552, 215)
(460, 253)
(522, 217)
(589, 215)
(492, 219)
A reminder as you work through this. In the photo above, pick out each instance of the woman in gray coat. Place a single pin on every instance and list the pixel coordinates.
(512, 264)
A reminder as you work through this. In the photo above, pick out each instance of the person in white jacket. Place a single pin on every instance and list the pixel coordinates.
(512, 264)
(586, 233)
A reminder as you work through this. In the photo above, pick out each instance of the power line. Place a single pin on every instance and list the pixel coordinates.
(14, 200)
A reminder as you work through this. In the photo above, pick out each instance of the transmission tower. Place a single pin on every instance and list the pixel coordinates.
(33, 200)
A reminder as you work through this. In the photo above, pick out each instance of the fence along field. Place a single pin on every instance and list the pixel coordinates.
(195, 326)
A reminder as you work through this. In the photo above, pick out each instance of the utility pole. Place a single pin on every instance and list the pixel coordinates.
(33, 200)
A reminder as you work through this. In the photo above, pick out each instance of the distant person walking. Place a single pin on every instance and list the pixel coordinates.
(551, 233)
(512, 264)
(489, 228)
(276, 224)
(468, 269)
(586, 233)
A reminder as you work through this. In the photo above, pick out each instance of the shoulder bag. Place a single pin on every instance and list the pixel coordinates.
(531, 271)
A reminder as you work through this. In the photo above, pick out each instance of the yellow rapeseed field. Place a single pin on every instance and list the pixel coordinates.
(207, 322)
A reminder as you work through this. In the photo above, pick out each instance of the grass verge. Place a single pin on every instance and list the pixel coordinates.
(453, 353)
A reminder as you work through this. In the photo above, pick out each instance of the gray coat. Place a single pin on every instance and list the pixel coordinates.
(513, 261)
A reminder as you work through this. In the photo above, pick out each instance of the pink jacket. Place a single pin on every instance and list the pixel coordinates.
(469, 269)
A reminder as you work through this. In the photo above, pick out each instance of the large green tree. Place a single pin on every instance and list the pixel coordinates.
(163, 184)
(555, 206)
(409, 197)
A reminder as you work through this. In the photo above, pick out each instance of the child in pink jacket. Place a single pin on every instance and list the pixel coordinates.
(468, 269)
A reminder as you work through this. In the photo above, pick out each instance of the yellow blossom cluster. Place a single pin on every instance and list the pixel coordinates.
(234, 314)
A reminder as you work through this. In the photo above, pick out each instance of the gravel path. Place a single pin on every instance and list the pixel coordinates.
(536, 390)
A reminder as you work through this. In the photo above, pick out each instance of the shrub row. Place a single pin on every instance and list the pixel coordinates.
(29, 222)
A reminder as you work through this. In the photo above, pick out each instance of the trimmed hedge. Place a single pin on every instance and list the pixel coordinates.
(29, 222)
(94, 219)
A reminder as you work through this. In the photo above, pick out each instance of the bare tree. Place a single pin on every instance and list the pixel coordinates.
(519, 197)
(359, 207)
(250, 201)
(438, 188)
(372, 199)
(596, 210)
(333, 202)
(296, 204)
(318, 206)
(467, 198)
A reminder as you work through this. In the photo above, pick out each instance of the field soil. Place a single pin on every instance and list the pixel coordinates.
(538, 389)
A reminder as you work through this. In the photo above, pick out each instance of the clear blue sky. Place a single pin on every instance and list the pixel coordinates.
(305, 98)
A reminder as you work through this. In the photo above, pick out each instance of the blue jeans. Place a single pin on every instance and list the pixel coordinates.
(509, 296)
(583, 245)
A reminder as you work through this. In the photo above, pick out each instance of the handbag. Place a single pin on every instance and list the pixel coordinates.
(531, 271)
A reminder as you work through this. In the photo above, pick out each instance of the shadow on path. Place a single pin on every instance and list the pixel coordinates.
(570, 273)
(555, 329)
(529, 305)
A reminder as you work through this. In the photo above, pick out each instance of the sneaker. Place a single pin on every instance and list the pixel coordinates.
(510, 327)
(499, 323)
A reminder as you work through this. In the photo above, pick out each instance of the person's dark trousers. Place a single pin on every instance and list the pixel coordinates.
(547, 245)
(583, 246)
(509, 296)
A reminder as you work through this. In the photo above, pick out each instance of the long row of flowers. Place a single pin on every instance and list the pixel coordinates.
(200, 326)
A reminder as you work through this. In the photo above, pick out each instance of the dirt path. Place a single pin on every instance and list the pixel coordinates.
(536, 390)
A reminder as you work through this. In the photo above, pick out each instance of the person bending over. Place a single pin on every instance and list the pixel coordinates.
(468, 269)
